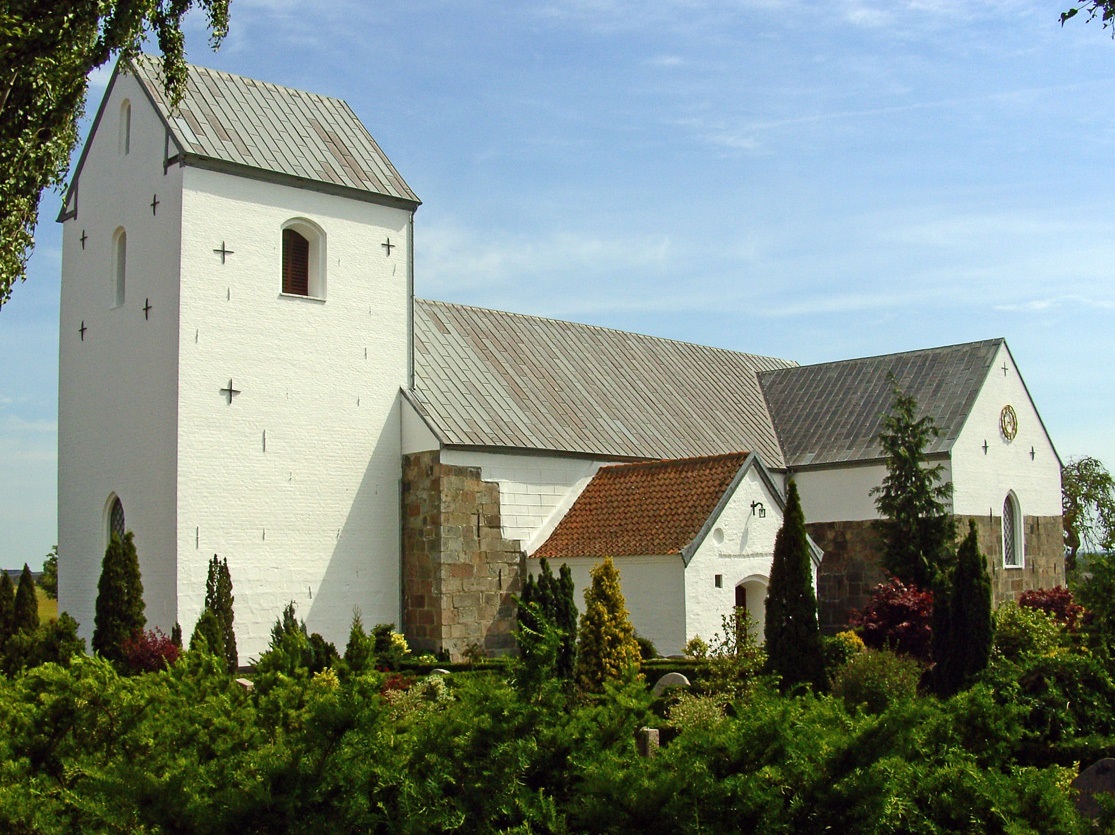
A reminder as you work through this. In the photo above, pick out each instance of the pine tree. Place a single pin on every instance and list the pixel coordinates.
(917, 529)
(793, 639)
(119, 607)
(207, 634)
(606, 641)
(360, 652)
(968, 647)
(7, 607)
(219, 600)
(25, 616)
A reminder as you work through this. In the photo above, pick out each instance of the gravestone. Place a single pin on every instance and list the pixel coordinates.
(1098, 778)
(667, 682)
(646, 740)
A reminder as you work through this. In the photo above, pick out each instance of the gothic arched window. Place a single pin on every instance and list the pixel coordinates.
(119, 265)
(116, 523)
(1012, 533)
(125, 127)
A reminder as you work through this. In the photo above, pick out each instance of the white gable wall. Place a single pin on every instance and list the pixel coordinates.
(982, 480)
(296, 482)
(117, 393)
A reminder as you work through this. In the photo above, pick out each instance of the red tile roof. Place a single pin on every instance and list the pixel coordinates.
(643, 509)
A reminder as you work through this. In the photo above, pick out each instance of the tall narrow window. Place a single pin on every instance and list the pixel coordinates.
(1012, 533)
(116, 523)
(303, 258)
(125, 127)
(296, 263)
(120, 265)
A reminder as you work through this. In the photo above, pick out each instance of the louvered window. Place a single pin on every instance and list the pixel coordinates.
(296, 263)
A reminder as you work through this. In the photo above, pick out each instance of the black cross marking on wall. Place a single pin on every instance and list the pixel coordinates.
(1032, 453)
(1005, 369)
(388, 246)
(223, 252)
(84, 238)
(146, 307)
(230, 392)
(82, 330)
(155, 205)
(985, 447)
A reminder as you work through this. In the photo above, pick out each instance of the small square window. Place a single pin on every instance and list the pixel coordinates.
(719, 580)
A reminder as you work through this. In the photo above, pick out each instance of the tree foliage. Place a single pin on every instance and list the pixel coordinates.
(25, 616)
(606, 647)
(917, 528)
(897, 617)
(793, 638)
(546, 625)
(1087, 508)
(7, 607)
(1102, 9)
(48, 48)
(969, 619)
(48, 580)
(119, 609)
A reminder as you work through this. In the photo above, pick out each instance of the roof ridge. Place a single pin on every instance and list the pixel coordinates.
(604, 329)
(891, 355)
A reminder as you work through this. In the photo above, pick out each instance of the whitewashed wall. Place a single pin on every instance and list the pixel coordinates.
(532, 488)
(117, 389)
(982, 479)
(739, 547)
(296, 482)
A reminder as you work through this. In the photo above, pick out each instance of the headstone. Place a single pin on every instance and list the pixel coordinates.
(247, 684)
(667, 682)
(438, 671)
(646, 740)
(1098, 778)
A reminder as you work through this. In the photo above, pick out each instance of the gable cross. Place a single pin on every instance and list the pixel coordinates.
(1032, 453)
(83, 239)
(223, 252)
(388, 246)
(229, 391)
(146, 307)
(82, 330)
(985, 447)
(1005, 369)
(155, 205)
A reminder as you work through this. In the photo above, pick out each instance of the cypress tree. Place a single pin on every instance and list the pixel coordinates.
(606, 641)
(968, 648)
(793, 638)
(119, 608)
(7, 607)
(207, 634)
(25, 616)
(219, 600)
(547, 604)
(360, 650)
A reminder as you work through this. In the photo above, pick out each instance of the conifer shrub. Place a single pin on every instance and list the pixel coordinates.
(1056, 601)
(606, 647)
(294, 651)
(7, 607)
(969, 619)
(898, 617)
(149, 651)
(25, 614)
(391, 649)
(119, 607)
(53, 642)
(839, 649)
(547, 614)
(360, 651)
(876, 679)
(207, 635)
(219, 600)
(793, 638)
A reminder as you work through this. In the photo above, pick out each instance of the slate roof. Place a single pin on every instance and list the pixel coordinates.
(491, 379)
(265, 128)
(644, 509)
(833, 412)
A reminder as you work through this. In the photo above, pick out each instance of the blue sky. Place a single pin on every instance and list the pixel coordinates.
(809, 180)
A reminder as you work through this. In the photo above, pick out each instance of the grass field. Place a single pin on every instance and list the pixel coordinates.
(47, 608)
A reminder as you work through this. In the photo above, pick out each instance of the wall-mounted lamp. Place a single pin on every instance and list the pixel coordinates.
(757, 509)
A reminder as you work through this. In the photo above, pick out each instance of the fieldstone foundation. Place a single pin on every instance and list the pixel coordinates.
(852, 564)
(459, 573)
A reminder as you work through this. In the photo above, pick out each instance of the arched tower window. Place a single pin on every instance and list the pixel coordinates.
(1013, 546)
(125, 127)
(119, 265)
(116, 522)
(303, 259)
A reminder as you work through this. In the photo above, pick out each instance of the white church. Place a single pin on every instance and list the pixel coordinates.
(244, 370)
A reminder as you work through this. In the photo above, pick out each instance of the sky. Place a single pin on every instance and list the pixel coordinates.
(809, 179)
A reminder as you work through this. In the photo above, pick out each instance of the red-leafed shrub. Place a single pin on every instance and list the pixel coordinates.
(395, 681)
(149, 652)
(898, 617)
(1057, 602)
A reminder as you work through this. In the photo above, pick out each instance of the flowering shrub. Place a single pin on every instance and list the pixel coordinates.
(149, 652)
(898, 617)
(1057, 602)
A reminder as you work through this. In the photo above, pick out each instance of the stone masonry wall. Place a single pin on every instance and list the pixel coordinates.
(458, 571)
(852, 564)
